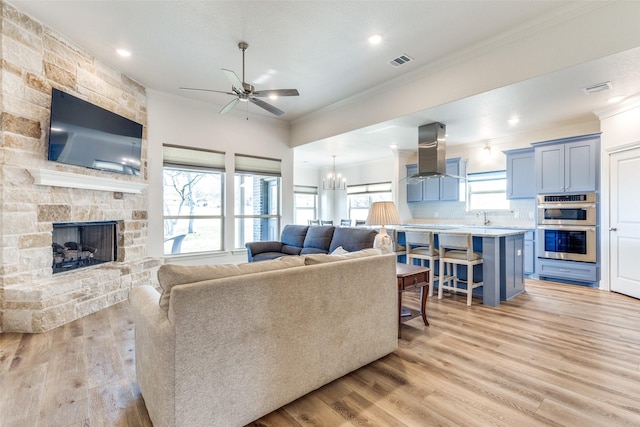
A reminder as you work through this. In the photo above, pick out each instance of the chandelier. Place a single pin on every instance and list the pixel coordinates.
(334, 181)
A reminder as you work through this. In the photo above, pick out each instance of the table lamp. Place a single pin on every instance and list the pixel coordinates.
(383, 213)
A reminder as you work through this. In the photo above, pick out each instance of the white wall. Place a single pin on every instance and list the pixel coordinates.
(180, 121)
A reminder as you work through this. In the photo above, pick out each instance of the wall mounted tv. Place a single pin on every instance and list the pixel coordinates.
(84, 134)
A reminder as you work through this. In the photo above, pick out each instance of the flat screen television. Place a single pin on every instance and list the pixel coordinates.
(83, 134)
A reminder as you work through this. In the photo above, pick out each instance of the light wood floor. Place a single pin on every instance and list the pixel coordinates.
(557, 355)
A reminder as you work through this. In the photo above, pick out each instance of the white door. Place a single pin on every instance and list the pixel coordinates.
(624, 226)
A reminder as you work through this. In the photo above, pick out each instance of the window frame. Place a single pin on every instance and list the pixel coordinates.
(194, 160)
(369, 190)
(305, 190)
(500, 175)
(263, 168)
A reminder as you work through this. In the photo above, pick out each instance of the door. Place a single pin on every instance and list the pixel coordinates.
(624, 234)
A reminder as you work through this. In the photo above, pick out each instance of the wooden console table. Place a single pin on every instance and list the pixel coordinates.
(411, 277)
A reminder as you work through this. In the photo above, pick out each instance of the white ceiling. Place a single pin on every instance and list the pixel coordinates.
(320, 48)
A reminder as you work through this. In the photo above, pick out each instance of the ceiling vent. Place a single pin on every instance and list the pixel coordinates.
(401, 60)
(600, 87)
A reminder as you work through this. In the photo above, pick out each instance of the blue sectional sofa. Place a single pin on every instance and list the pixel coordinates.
(314, 239)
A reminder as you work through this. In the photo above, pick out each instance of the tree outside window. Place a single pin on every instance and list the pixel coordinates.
(192, 200)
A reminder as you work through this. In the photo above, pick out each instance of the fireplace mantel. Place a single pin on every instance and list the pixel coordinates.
(54, 178)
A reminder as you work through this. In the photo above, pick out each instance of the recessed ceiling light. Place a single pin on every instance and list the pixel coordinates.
(513, 120)
(615, 99)
(375, 39)
(273, 97)
(123, 52)
(393, 146)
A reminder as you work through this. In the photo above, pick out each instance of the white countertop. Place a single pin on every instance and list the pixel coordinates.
(478, 231)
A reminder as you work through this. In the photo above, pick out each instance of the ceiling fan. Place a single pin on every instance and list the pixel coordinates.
(245, 92)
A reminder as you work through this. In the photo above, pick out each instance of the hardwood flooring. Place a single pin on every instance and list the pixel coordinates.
(557, 355)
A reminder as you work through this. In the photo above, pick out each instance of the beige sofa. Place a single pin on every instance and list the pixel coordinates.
(225, 345)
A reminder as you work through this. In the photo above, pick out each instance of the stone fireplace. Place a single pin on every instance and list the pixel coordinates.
(38, 196)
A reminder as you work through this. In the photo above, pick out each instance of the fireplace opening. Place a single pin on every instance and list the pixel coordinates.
(83, 244)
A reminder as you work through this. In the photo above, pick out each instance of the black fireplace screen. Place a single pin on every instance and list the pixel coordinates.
(82, 244)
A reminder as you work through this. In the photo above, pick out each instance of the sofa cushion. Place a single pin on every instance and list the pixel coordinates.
(318, 240)
(291, 250)
(352, 239)
(314, 259)
(339, 251)
(294, 235)
(170, 275)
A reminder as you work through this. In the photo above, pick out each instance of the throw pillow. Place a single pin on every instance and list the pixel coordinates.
(170, 275)
(323, 258)
(339, 251)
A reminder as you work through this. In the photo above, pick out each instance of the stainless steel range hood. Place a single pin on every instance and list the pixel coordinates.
(432, 161)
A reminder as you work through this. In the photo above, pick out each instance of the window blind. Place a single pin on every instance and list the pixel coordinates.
(180, 156)
(258, 165)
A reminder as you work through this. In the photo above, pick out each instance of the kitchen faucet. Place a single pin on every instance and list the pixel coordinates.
(484, 215)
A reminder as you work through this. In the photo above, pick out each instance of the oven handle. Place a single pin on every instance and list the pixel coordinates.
(589, 228)
(566, 205)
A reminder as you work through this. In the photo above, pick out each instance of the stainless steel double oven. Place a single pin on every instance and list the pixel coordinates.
(567, 227)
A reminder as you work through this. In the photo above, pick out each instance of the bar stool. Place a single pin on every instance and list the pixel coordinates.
(457, 249)
(424, 250)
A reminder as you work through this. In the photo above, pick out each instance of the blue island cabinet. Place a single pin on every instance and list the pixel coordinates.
(503, 259)
(503, 268)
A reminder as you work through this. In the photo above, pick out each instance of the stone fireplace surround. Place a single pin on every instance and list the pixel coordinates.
(35, 193)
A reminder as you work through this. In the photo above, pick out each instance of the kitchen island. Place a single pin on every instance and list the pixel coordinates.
(502, 252)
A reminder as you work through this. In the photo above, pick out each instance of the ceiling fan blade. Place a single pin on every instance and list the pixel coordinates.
(229, 106)
(208, 90)
(235, 81)
(277, 92)
(270, 108)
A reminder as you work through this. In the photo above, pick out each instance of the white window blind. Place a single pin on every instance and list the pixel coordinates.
(257, 165)
(180, 156)
(303, 189)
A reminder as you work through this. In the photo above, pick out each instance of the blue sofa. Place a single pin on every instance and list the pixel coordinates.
(315, 239)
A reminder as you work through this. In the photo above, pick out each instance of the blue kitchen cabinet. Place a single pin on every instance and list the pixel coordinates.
(414, 190)
(449, 186)
(431, 190)
(567, 165)
(530, 252)
(436, 189)
(520, 172)
(577, 272)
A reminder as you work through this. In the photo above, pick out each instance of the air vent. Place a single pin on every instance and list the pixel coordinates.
(597, 88)
(401, 60)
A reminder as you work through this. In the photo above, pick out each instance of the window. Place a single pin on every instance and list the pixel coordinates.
(360, 198)
(305, 201)
(257, 199)
(192, 200)
(487, 191)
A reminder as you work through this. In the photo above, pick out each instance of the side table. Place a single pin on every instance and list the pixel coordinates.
(411, 277)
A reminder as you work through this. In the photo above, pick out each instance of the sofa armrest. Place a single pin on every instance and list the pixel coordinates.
(255, 248)
(154, 352)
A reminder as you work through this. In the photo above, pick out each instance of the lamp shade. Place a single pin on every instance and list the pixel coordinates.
(383, 213)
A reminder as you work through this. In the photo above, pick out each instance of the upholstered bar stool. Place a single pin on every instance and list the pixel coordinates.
(457, 249)
(424, 250)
